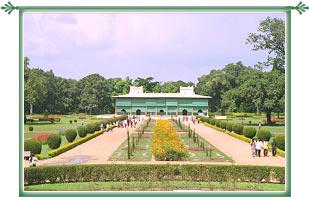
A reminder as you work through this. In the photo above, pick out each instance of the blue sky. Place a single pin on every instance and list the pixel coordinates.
(166, 46)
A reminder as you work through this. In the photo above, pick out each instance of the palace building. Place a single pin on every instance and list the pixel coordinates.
(186, 102)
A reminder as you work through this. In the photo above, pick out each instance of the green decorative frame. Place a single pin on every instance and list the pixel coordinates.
(300, 8)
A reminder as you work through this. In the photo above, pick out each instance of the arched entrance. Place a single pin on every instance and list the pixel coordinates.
(123, 111)
(138, 112)
(200, 111)
(161, 112)
(184, 112)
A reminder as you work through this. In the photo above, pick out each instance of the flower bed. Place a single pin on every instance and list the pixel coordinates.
(167, 145)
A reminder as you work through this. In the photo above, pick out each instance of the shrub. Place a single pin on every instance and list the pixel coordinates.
(207, 120)
(237, 128)
(75, 120)
(263, 135)
(57, 119)
(54, 141)
(71, 121)
(82, 131)
(34, 146)
(229, 126)
(249, 132)
(223, 124)
(217, 123)
(154, 172)
(91, 128)
(212, 121)
(31, 128)
(281, 142)
(70, 135)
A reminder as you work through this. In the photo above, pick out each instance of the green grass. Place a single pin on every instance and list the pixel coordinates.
(157, 186)
(201, 155)
(64, 124)
(142, 153)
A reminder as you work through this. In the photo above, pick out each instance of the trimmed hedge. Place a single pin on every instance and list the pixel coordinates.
(237, 128)
(263, 134)
(70, 135)
(212, 121)
(281, 141)
(54, 141)
(229, 126)
(153, 172)
(223, 124)
(249, 132)
(34, 146)
(82, 131)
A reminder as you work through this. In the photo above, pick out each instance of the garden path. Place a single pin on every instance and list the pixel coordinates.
(99, 149)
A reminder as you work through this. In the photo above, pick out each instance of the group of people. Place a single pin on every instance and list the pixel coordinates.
(130, 121)
(258, 146)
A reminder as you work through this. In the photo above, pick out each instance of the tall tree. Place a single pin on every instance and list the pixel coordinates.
(271, 37)
(35, 91)
(148, 83)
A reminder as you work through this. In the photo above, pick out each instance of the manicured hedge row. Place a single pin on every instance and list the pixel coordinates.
(153, 172)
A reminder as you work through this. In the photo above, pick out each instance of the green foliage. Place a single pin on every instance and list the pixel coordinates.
(31, 128)
(212, 121)
(45, 113)
(281, 142)
(218, 123)
(237, 128)
(71, 121)
(229, 126)
(34, 146)
(69, 146)
(91, 128)
(271, 37)
(153, 172)
(70, 134)
(263, 134)
(223, 124)
(249, 132)
(57, 119)
(54, 141)
(82, 131)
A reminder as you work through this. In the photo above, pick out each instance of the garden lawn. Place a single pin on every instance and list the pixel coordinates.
(197, 153)
(142, 151)
(64, 124)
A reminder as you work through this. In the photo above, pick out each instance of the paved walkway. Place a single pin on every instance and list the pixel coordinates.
(99, 149)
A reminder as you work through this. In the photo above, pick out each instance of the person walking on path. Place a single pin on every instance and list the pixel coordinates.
(265, 147)
(274, 147)
(259, 125)
(252, 144)
(258, 146)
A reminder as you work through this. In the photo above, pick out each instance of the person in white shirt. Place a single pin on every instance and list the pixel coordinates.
(258, 147)
(32, 160)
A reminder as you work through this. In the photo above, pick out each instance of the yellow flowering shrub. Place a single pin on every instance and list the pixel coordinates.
(166, 143)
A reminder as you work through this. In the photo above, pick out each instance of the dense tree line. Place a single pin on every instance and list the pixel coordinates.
(235, 88)
(93, 94)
